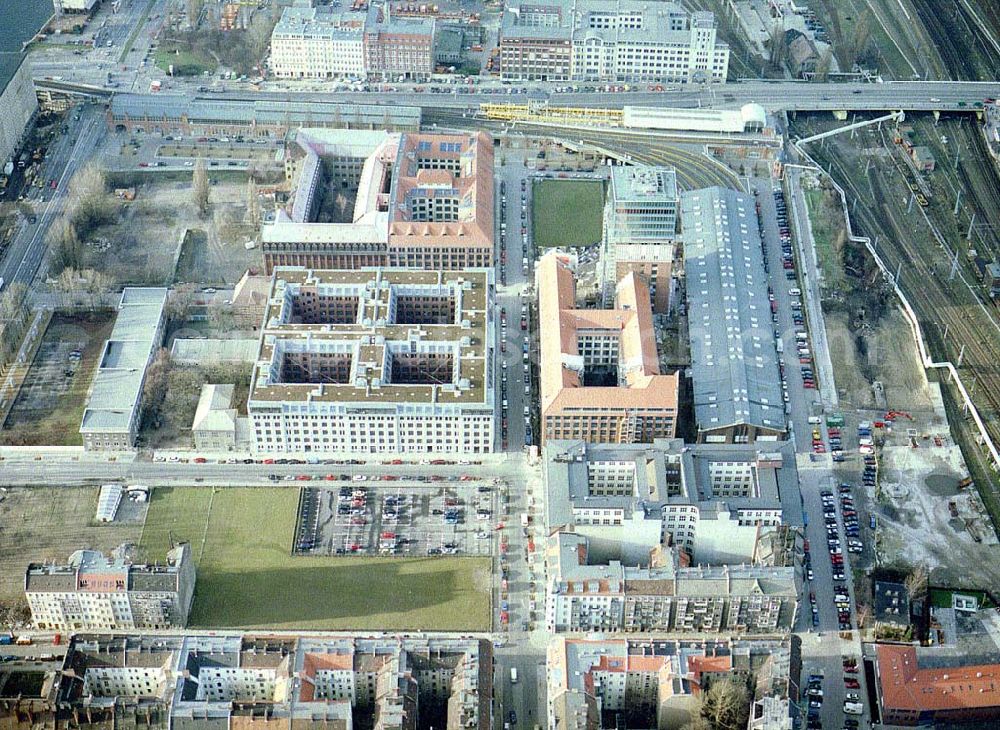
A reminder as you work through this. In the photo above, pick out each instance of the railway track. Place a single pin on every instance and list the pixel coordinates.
(959, 41)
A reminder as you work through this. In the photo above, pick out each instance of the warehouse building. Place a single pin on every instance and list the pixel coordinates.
(734, 360)
(719, 503)
(640, 231)
(376, 360)
(231, 681)
(385, 199)
(595, 683)
(602, 40)
(91, 592)
(664, 597)
(600, 374)
(208, 116)
(114, 404)
(18, 104)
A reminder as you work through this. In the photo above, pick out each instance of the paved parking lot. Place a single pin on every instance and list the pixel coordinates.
(361, 518)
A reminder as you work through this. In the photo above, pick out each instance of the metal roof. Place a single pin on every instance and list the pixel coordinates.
(734, 362)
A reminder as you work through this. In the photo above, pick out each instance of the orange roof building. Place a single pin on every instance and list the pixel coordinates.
(911, 695)
(600, 375)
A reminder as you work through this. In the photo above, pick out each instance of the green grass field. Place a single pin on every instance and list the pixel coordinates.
(247, 577)
(567, 212)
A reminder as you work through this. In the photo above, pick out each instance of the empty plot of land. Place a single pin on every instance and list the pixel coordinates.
(248, 578)
(567, 212)
(50, 404)
(43, 523)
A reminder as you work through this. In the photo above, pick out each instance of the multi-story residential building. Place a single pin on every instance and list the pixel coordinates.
(936, 693)
(323, 42)
(93, 593)
(398, 48)
(18, 103)
(384, 199)
(734, 361)
(664, 597)
(376, 360)
(719, 503)
(238, 681)
(257, 118)
(114, 404)
(600, 374)
(640, 231)
(319, 42)
(637, 683)
(606, 40)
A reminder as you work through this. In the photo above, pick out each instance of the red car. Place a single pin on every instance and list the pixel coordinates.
(199, 460)
(52, 183)
(851, 683)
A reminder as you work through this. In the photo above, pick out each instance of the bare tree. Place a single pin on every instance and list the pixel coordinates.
(89, 203)
(154, 389)
(726, 704)
(862, 35)
(777, 46)
(96, 285)
(68, 251)
(179, 303)
(253, 203)
(66, 284)
(193, 8)
(864, 613)
(200, 187)
(916, 583)
(341, 202)
(823, 65)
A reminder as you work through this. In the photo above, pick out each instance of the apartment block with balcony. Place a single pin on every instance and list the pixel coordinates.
(318, 43)
(596, 683)
(92, 592)
(600, 375)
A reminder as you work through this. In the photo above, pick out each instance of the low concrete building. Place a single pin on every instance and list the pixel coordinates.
(600, 376)
(214, 426)
(94, 593)
(114, 404)
(923, 158)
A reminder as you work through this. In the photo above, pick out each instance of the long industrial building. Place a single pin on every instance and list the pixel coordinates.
(610, 40)
(260, 118)
(18, 103)
(385, 199)
(734, 360)
(600, 376)
(114, 403)
(376, 360)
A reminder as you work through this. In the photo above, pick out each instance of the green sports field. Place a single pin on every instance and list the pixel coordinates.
(567, 212)
(247, 578)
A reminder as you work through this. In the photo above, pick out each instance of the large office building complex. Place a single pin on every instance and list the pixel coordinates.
(734, 360)
(600, 374)
(376, 360)
(640, 231)
(114, 404)
(325, 42)
(597, 683)
(384, 199)
(605, 40)
(93, 593)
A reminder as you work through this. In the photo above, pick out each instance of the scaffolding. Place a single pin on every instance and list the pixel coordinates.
(540, 112)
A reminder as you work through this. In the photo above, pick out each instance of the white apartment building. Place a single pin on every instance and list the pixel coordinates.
(93, 593)
(376, 360)
(318, 43)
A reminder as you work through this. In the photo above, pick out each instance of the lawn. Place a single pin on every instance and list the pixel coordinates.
(567, 212)
(247, 577)
(830, 236)
(186, 61)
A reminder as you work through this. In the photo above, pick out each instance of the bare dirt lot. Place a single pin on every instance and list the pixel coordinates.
(42, 523)
(50, 404)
